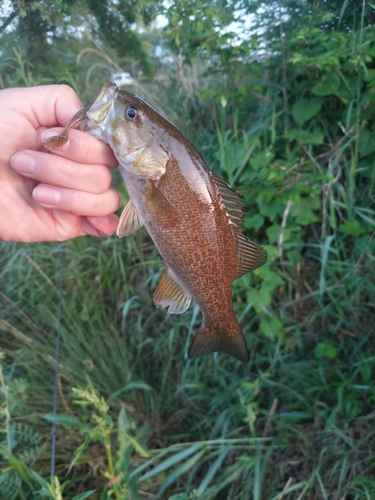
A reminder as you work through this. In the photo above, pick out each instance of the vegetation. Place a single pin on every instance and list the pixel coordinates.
(282, 107)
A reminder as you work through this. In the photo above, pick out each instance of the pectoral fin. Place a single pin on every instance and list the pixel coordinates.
(170, 293)
(129, 221)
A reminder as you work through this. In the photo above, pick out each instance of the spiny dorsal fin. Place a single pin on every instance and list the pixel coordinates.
(169, 293)
(232, 201)
(129, 221)
(250, 255)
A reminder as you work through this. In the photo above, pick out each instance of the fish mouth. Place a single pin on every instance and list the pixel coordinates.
(107, 92)
(99, 109)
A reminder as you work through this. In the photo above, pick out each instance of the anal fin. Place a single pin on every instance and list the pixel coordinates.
(129, 221)
(169, 293)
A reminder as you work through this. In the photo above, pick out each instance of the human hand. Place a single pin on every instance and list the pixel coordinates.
(44, 196)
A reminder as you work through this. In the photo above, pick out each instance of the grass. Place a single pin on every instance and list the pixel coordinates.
(136, 418)
(291, 424)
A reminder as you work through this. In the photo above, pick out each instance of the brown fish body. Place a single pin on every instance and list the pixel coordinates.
(193, 217)
(195, 241)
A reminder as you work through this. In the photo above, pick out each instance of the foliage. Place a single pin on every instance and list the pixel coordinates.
(283, 109)
(50, 34)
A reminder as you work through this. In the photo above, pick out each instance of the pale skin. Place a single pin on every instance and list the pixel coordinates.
(44, 196)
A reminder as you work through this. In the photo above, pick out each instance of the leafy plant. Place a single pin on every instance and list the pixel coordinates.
(283, 109)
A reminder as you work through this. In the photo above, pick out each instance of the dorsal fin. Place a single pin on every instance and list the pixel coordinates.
(232, 201)
(250, 255)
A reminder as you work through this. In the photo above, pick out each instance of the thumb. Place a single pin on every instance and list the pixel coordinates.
(49, 105)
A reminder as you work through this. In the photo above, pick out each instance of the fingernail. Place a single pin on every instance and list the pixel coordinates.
(47, 196)
(23, 163)
(53, 132)
(90, 230)
(100, 220)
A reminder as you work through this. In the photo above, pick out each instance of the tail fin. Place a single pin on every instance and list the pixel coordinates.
(211, 339)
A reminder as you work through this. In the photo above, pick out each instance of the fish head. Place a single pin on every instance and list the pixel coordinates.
(133, 129)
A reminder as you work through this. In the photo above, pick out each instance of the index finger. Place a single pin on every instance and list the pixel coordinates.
(83, 148)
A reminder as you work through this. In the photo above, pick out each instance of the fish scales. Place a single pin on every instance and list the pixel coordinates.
(199, 247)
(193, 217)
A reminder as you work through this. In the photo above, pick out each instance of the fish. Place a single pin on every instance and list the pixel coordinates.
(192, 215)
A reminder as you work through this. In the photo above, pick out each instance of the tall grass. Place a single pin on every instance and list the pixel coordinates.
(136, 418)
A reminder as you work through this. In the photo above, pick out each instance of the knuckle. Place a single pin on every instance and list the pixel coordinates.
(75, 201)
(66, 90)
(104, 179)
(115, 199)
(97, 179)
(52, 174)
(88, 151)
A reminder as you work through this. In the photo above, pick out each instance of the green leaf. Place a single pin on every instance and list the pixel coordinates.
(263, 296)
(81, 448)
(16, 464)
(271, 251)
(84, 495)
(326, 249)
(261, 159)
(325, 349)
(352, 226)
(271, 327)
(180, 471)
(305, 138)
(328, 85)
(213, 469)
(252, 296)
(62, 419)
(253, 221)
(273, 233)
(137, 446)
(305, 109)
(270, 208)
(129, 387)
(366, 143)
(303, 212)
(170, 461)
(369, 75)
(271, 279)
(39, 479)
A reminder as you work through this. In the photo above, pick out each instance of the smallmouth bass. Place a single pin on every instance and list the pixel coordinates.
(193, 217)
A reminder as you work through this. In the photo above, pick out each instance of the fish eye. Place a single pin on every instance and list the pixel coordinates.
(132, 114)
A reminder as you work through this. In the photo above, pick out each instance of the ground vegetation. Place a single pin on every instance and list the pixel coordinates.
(279, 98)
